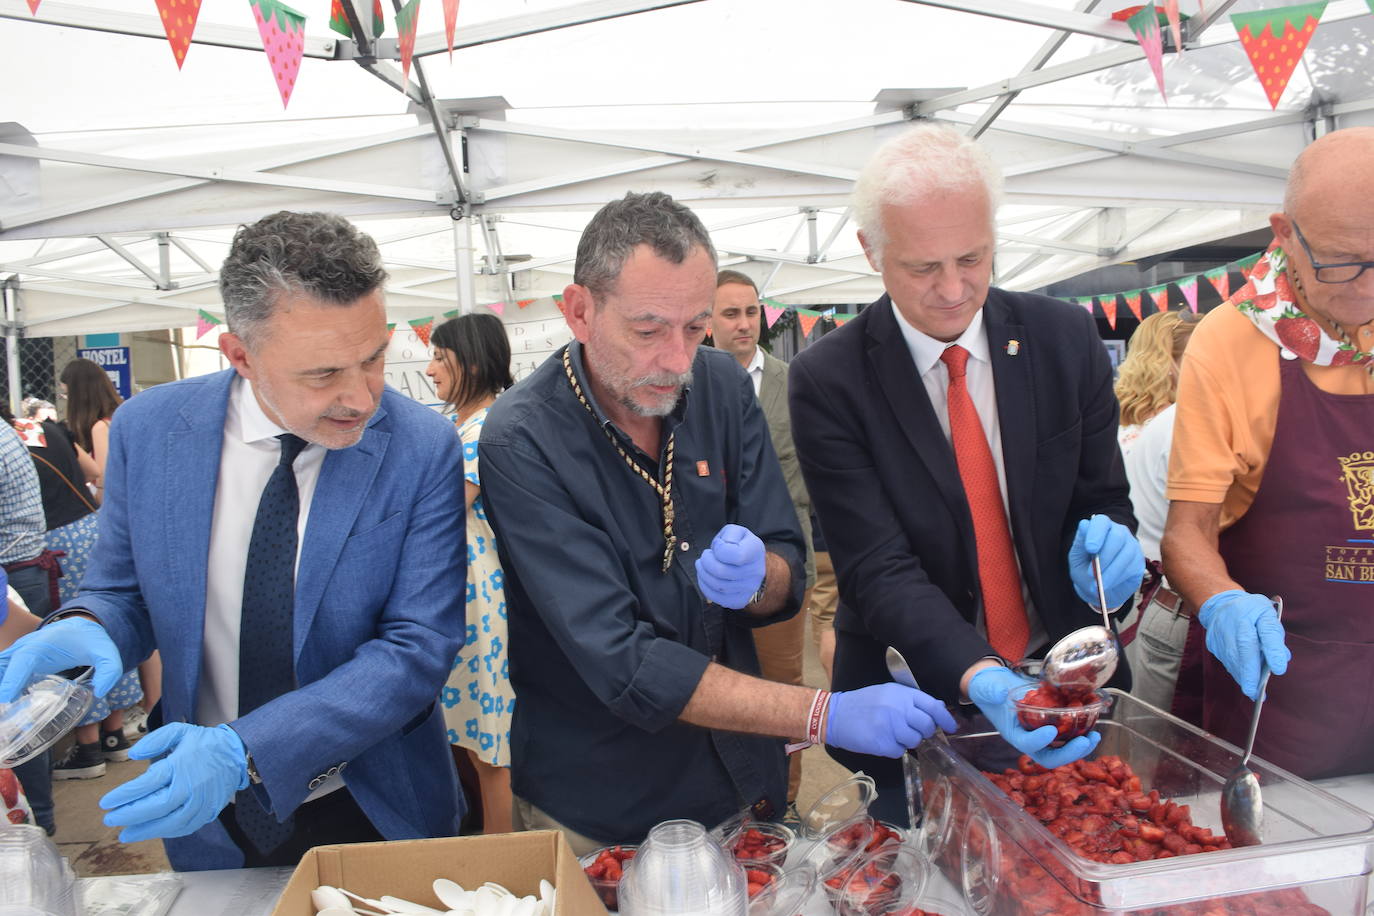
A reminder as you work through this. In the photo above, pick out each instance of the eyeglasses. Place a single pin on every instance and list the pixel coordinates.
(1346, 272)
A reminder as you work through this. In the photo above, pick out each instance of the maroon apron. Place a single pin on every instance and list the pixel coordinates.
(1309, 536)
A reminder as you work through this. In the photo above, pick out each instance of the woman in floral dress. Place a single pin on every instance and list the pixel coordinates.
(470, 367)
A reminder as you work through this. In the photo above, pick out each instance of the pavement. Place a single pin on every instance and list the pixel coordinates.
(94, 849)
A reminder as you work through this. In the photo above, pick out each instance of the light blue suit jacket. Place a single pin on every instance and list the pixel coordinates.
(379, 609)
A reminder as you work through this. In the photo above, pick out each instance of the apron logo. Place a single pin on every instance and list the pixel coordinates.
(1357, 471)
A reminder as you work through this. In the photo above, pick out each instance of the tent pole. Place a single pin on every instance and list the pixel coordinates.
(462, 264)
(10, 294)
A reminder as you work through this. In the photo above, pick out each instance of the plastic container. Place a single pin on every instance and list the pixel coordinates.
(840, 804)
(1070, 721)
(47, 709)
(760, 877)
(764, 842)
(834, 855)
(679, 869)
(607, 887)
(34, 875)
(788, 896)
(888, 880)
(1317, 849)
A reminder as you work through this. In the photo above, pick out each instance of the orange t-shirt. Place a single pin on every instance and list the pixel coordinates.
(1228, 404)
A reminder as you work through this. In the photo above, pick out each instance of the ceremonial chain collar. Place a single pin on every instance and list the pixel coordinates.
(664, 489)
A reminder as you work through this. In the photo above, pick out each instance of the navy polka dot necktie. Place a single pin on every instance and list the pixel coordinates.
(266, 669)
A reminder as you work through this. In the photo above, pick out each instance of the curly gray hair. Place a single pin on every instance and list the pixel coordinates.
(926, 159)
(654, 219)
(319, 255)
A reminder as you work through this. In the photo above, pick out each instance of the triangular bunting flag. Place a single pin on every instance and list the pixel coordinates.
(841, 319)
(1220, 278)
(422, 327)
(179, 22)
(1109, 309)
(1188, 286)
(1132, 302)
(1159, 295)
(451, 313)
(407, 21)
(283, 38)
(1245, 265)
(33, 6)
(773, 313)
(807, 320)
(205, 322)
(1145, 25)
(500, 307)
(1088, 303)
(378, 20)
(524, 303)
(1175, 25)
(338, 21)
(451, 23)
(390, 330)
(1274, 40)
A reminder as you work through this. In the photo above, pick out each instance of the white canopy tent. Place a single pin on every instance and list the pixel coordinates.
(121, 178)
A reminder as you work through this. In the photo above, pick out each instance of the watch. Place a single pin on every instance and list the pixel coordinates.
(254, 777)
(758, 595)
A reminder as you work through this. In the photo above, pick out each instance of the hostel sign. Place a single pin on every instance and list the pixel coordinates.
(115, 362)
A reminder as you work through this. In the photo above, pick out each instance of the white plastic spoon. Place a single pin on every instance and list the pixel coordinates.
(333, 898)
(452, 895)
(398, 905)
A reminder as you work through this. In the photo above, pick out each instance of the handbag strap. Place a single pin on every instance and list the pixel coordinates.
(79, 495)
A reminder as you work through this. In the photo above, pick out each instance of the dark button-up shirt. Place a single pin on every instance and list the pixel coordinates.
(606, 649)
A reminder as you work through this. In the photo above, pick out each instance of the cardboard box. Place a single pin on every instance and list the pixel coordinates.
(407, 869)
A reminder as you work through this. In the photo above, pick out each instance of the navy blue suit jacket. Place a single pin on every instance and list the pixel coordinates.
(886, 488)
(379, 609)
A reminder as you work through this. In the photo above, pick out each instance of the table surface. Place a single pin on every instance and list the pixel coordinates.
(254, 891)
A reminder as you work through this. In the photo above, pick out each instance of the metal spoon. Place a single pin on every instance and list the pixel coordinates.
(1242, 809)
(900, 672)
(1085, 659)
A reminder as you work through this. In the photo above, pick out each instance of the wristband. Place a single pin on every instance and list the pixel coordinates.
(815, 723)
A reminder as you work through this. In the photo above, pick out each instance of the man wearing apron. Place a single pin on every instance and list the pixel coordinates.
(1271, 480)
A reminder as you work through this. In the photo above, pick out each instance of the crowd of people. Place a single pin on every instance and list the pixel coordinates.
(590, 586)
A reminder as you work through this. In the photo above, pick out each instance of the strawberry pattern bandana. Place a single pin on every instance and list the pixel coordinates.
(1267, 299)
(31, 431)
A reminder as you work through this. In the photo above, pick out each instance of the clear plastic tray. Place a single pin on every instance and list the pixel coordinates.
(999, 854)
(49, 708)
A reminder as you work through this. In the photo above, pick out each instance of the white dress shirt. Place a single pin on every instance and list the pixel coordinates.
(925, 353)
(247, 457)
(755, 369)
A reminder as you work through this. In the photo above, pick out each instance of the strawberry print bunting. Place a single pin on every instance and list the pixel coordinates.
(1274, 40)
(422, 327)
(1145, 25)
(205, 322)
(1159, 295)
(1109, 309)
(807, 320)
(283, 38)
(1175, 24)
(1188, 286)
(179, 22)
(33, 6)
(338, 20)
(1220, 278)
(1133, 302)
(451, 23)
(407, 22)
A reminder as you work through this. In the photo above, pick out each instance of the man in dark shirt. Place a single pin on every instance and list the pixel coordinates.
(645, 528)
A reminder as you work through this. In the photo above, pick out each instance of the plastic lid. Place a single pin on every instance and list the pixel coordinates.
(888, 880)
(726, 832)
(47, 709)
(787, 896)
(839, 805)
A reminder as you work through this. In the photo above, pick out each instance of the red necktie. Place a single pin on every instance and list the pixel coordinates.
(1003, 610)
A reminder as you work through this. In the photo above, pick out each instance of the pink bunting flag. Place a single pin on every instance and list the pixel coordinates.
(1109, 309)
(1132, 302)
(407, 22)
(1159, 295)
(1188, 286)
(205, 323)
(1220, 278)
(772, 313)
(1175, 25)
(807, 321)
(179, 22)
(450, 23)
(33, 6)
(283, 38)
(500, 307)
(1088, 303)
(1145, 25)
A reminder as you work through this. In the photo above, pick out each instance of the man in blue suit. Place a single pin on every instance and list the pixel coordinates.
(254, 530)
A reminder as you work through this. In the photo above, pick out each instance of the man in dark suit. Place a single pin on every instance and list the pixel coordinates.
(959, 443)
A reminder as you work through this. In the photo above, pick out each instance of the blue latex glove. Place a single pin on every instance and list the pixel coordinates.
(183, 791)
(993, 689)
(73, 642)
(1240, 626)
(884, 719)
(731, 569)
(4, 595)
(1123, 565)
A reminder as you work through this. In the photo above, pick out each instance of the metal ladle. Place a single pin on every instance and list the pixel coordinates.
(900, 672)
(1085, 659)
(1242, 809)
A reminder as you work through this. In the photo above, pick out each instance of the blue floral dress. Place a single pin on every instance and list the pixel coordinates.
(478, 699)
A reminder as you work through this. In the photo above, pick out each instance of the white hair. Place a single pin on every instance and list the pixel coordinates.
(927, 159)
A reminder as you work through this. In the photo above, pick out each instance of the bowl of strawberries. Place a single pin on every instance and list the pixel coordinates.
(604, 868)
(1071, 713)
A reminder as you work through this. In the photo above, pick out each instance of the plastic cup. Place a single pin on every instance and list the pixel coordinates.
(681, 870)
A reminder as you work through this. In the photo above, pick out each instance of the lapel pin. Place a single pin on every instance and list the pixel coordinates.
(703, 469)
(1013, 347)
